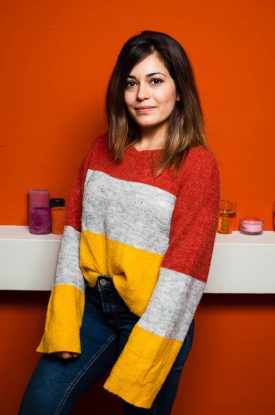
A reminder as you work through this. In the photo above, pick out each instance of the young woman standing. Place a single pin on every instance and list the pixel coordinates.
(138, 241)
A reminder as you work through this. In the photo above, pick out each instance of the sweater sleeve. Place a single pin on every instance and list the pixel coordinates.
(67, 299)
(157, 337)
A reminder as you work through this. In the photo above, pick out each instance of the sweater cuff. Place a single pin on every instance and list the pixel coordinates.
(142, 367)
(63, 320)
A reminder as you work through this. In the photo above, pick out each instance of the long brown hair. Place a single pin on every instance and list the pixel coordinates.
(186, 125)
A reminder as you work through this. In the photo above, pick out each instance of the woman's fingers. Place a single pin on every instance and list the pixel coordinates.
(66, 355)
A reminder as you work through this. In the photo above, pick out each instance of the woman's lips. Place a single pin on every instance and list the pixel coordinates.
(144, 109)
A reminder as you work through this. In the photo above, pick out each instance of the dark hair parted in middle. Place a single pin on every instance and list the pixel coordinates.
(186, 124)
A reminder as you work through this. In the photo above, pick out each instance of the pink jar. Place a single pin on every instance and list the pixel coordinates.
(39, 212)
(251, 226)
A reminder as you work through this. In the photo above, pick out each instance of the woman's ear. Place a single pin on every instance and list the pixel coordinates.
(178, 97)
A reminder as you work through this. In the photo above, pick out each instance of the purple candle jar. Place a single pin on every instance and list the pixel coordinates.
(39, 212)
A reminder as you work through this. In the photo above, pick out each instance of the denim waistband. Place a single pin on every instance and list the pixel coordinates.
(104, 276)
(104, 280)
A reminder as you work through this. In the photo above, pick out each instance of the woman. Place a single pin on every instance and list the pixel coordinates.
(138, 241)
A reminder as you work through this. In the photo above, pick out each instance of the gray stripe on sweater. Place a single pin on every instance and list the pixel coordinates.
(129, 212)
(173, 304)
(68, 271)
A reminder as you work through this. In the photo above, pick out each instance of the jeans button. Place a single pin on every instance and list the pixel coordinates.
(102, 281)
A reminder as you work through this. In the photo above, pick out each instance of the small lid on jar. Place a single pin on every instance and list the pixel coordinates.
(57, 202)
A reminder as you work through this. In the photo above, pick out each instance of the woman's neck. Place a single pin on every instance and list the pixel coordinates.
(151, 139)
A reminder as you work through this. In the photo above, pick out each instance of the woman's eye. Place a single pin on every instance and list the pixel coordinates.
(129, 83)
(157, 81)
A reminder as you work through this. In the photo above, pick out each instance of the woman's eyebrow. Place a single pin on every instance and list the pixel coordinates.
(148, 75)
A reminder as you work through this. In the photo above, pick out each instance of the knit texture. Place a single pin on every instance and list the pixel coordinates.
(155, 237)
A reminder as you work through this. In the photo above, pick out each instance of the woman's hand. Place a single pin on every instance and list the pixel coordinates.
(66, 355)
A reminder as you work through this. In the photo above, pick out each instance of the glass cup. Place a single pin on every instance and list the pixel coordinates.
(227, 216)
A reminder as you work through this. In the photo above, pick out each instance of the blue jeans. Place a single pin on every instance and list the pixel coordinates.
(57, 384)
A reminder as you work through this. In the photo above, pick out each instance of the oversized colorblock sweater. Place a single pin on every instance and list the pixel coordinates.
(154, 236)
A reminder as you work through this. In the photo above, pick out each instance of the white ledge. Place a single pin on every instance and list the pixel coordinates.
(240, 264)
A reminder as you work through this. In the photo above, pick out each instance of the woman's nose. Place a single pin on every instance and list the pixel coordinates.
(143, 92)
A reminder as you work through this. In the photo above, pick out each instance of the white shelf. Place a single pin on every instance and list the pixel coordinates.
(240, 264)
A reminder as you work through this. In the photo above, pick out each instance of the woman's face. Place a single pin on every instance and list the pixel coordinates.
(150, 93)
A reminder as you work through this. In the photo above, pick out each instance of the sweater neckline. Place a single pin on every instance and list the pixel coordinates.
(133, 149)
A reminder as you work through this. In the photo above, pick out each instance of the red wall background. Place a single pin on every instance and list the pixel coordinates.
(57, 57)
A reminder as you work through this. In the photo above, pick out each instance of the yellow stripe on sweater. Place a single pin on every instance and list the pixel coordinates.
(63, 320)
(142, 367)
(100, 255)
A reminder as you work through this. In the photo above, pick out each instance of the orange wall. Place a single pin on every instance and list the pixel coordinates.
(57, 57)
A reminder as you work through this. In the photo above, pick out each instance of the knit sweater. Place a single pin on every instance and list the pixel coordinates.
(154, 236)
